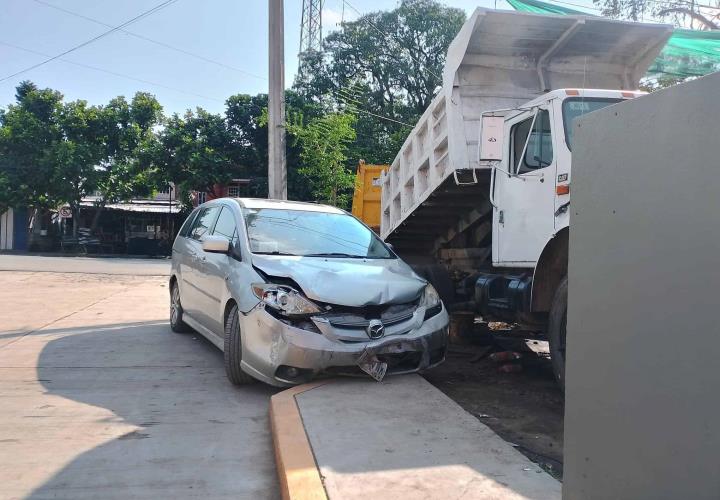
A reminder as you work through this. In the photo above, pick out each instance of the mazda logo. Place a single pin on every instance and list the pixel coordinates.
(375, 329)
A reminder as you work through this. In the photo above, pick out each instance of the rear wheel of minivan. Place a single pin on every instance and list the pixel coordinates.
(233, 349)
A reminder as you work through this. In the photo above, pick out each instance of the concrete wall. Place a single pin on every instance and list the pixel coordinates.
(643, 386)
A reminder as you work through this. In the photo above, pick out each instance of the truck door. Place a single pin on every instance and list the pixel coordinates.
(524, 192)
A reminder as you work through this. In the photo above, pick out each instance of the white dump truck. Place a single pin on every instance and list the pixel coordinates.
(478, 198)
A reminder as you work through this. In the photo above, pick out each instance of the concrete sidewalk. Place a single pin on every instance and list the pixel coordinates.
(99, 399)
(402, 438)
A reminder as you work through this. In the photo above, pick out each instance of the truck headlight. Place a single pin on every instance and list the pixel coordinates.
(430, 300)
(284, 299)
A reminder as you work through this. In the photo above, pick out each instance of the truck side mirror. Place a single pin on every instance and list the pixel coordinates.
(492, 139)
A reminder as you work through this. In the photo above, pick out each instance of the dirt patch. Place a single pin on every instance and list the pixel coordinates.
(525, 408)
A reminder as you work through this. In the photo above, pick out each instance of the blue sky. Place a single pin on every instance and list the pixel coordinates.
(233, 32)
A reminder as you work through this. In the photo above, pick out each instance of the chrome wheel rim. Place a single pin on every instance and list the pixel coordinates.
(175, 305)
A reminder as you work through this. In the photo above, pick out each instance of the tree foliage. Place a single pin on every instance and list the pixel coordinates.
(54, 152)
(357, 99)
(704, 15)
(324, 143)
(385, 67)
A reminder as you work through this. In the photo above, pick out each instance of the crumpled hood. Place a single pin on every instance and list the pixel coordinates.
(346, 282)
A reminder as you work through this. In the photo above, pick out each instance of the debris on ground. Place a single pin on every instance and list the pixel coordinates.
(505, 356)
(510, 368)
(526, 407)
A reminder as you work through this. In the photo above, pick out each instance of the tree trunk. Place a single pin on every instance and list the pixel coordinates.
(76, 216)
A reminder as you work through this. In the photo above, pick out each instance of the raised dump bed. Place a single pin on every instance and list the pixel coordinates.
(436, 188)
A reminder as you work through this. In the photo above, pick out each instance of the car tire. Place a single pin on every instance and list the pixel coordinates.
(233, 350)
(557, 331)
(177, 324)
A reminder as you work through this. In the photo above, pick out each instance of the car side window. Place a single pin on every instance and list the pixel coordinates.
(203, 222)
(226, 225)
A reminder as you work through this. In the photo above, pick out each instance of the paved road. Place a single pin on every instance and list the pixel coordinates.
(101, 400)
(89, 265)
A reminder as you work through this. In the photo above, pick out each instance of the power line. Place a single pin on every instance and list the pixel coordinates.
(354, 107)
(95, 68)
(149, 12)
(151, 40)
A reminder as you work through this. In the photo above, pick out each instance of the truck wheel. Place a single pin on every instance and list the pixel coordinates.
(557, 331)
(233, 350)
(177, 324)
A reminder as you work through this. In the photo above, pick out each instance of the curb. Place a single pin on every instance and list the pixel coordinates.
(297, 470)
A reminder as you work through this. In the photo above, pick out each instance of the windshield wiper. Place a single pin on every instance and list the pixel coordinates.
(275, 253)
(335, 254)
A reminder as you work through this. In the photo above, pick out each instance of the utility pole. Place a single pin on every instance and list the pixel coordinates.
(277, 168)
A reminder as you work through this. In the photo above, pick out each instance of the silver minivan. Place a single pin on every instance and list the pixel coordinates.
(290, 290)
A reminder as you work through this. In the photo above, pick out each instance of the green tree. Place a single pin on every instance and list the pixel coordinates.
(127, 170)
(703, 15)
(78, 154)
(50, 149)
(29, 130)
(247, 121)
(324, 143)
(385, 68)
(194, 152)
(54, 153)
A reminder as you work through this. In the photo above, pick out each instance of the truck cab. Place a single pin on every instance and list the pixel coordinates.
(530, 182)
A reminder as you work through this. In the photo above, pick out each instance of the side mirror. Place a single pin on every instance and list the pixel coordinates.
(216, 244)
(492, 139)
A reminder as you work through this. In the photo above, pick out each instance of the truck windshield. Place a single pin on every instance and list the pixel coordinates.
(578, 106)
(311, 234)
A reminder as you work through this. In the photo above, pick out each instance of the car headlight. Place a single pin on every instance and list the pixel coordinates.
(430, 297)
(284, 299)
(430, 300)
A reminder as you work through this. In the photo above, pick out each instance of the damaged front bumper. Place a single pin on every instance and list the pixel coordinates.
(281, 354)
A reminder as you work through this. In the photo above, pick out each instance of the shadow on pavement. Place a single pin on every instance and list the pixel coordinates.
(162, 421)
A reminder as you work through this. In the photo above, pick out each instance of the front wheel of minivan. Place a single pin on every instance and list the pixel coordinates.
(233, 350)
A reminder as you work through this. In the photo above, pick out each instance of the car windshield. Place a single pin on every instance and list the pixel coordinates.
(578, 106)
(311, 234)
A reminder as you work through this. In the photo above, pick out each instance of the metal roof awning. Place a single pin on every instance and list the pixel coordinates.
(143, 206)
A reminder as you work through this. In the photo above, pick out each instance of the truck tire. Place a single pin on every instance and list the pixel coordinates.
(177, 324)
(233, 350)
(557, 331)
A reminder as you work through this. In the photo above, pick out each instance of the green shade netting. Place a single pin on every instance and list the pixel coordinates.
(687, 52)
